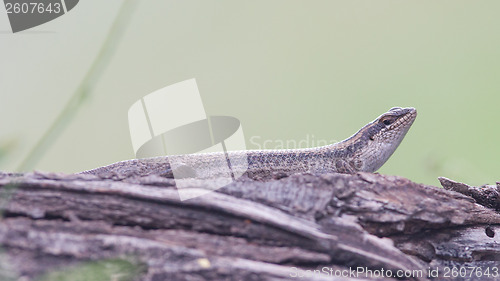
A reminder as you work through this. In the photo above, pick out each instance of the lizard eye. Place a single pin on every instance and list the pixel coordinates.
(388, 121)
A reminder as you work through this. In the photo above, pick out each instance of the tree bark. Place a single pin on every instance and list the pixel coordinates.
(321, 227)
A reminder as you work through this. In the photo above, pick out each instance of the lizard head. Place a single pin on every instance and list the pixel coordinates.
(393, 125)
(372, 145)
(384, 135)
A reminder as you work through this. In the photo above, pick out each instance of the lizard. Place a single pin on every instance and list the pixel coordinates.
(365, 151)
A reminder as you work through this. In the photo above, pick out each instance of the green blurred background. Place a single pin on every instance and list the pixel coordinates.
(289, 70)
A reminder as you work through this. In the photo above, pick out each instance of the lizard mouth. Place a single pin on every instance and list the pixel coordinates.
(406, 117)
(409, 118)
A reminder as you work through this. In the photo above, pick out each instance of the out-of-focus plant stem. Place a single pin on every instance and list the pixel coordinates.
(85, 87)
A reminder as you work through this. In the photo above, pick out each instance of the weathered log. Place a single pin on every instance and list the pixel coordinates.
(486, 195)
(323, 227)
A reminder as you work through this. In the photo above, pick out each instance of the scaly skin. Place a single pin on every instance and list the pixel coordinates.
(365, 151)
